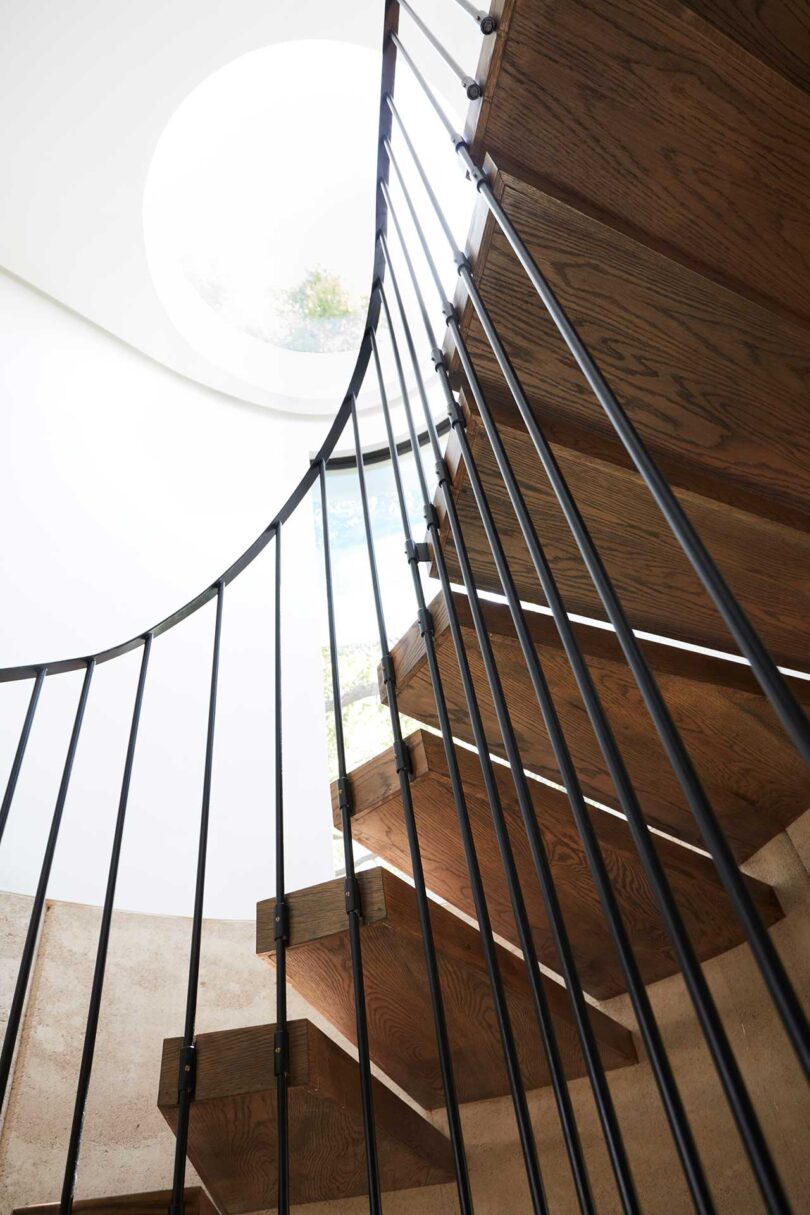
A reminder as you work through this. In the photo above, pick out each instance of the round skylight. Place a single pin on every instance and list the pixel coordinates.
(259, 216)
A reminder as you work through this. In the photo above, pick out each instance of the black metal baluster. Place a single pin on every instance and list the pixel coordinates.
(281, 921)
(770, 965)
(91, 1028)
(404, 774)
(352, 890)
(470, 85)
(19, 755)
(516, 1088)
(736, 1092)
(188, 1060)
(29, 948)
(764, 668)
(601, 1092)
(662, 1070)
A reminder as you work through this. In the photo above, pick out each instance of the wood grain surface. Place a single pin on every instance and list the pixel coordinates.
(378, 824)
(638, 113)
(716, 385)
(232, 1129)
(401, 1028)
(766, 564)
(754, 779)
(777, 32)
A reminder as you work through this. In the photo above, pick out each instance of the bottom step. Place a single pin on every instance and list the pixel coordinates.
(154, 1203)
(232, 1129)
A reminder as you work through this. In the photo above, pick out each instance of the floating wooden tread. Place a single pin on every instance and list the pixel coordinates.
(766, 563)
(639, 112)
(754, 778)
(401, 1032)
(377, 824)
(154, 1203)
(232, 1130)
(775, 31)
(716, 385)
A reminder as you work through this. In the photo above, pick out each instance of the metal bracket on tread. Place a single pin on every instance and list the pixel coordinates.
(443, 474)
(417, 552)
(344, 794)
(187, 1073)
(351, 892)
(425, 622)
(431, 514)
(455, 415)
(280, 1051)
(402, 757)
(387, 667)
(281, 922)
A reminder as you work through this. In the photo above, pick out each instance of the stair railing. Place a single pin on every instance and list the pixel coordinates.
(770, 678)
(387, 301)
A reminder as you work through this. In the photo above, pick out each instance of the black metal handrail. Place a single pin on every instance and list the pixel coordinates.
(387, 301)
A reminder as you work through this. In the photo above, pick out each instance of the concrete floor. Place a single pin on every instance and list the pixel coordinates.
(127, 1146)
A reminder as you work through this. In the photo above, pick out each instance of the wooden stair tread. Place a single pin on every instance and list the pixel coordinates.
(232, 1140)
(774, 31)
(155, 1202)
(640, 113)
(766, 564)
(401, 1032)
(756, 782)
(716, 385)
(754, 779)
(377, 824)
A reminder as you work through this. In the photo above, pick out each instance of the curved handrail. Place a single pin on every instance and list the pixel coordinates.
(61, 667)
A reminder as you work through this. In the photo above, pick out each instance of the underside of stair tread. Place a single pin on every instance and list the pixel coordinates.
(716, 385)
(156, 1202)
(377, 824)
(232, 1129)
(754, 779)
(401, 1030)
(639, 113)
(775, 31)
(766, 564)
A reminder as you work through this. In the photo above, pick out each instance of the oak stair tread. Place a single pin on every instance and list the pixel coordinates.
(777, 32)
(155, 1202)
(641, 113)
(232, 1130)
(377, 824)
(716, 385)
(401, 1031)
(754, 779)
(766, 564)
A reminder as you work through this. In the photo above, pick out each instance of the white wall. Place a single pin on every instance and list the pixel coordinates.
(125, 490)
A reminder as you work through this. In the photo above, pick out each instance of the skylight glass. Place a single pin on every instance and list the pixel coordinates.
(259, 213)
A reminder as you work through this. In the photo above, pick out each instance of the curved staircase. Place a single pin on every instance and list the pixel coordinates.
(655, 158)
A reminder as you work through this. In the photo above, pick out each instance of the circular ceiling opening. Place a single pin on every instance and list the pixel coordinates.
(259, 216)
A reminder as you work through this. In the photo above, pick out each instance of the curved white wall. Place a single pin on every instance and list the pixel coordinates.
(124, 490)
